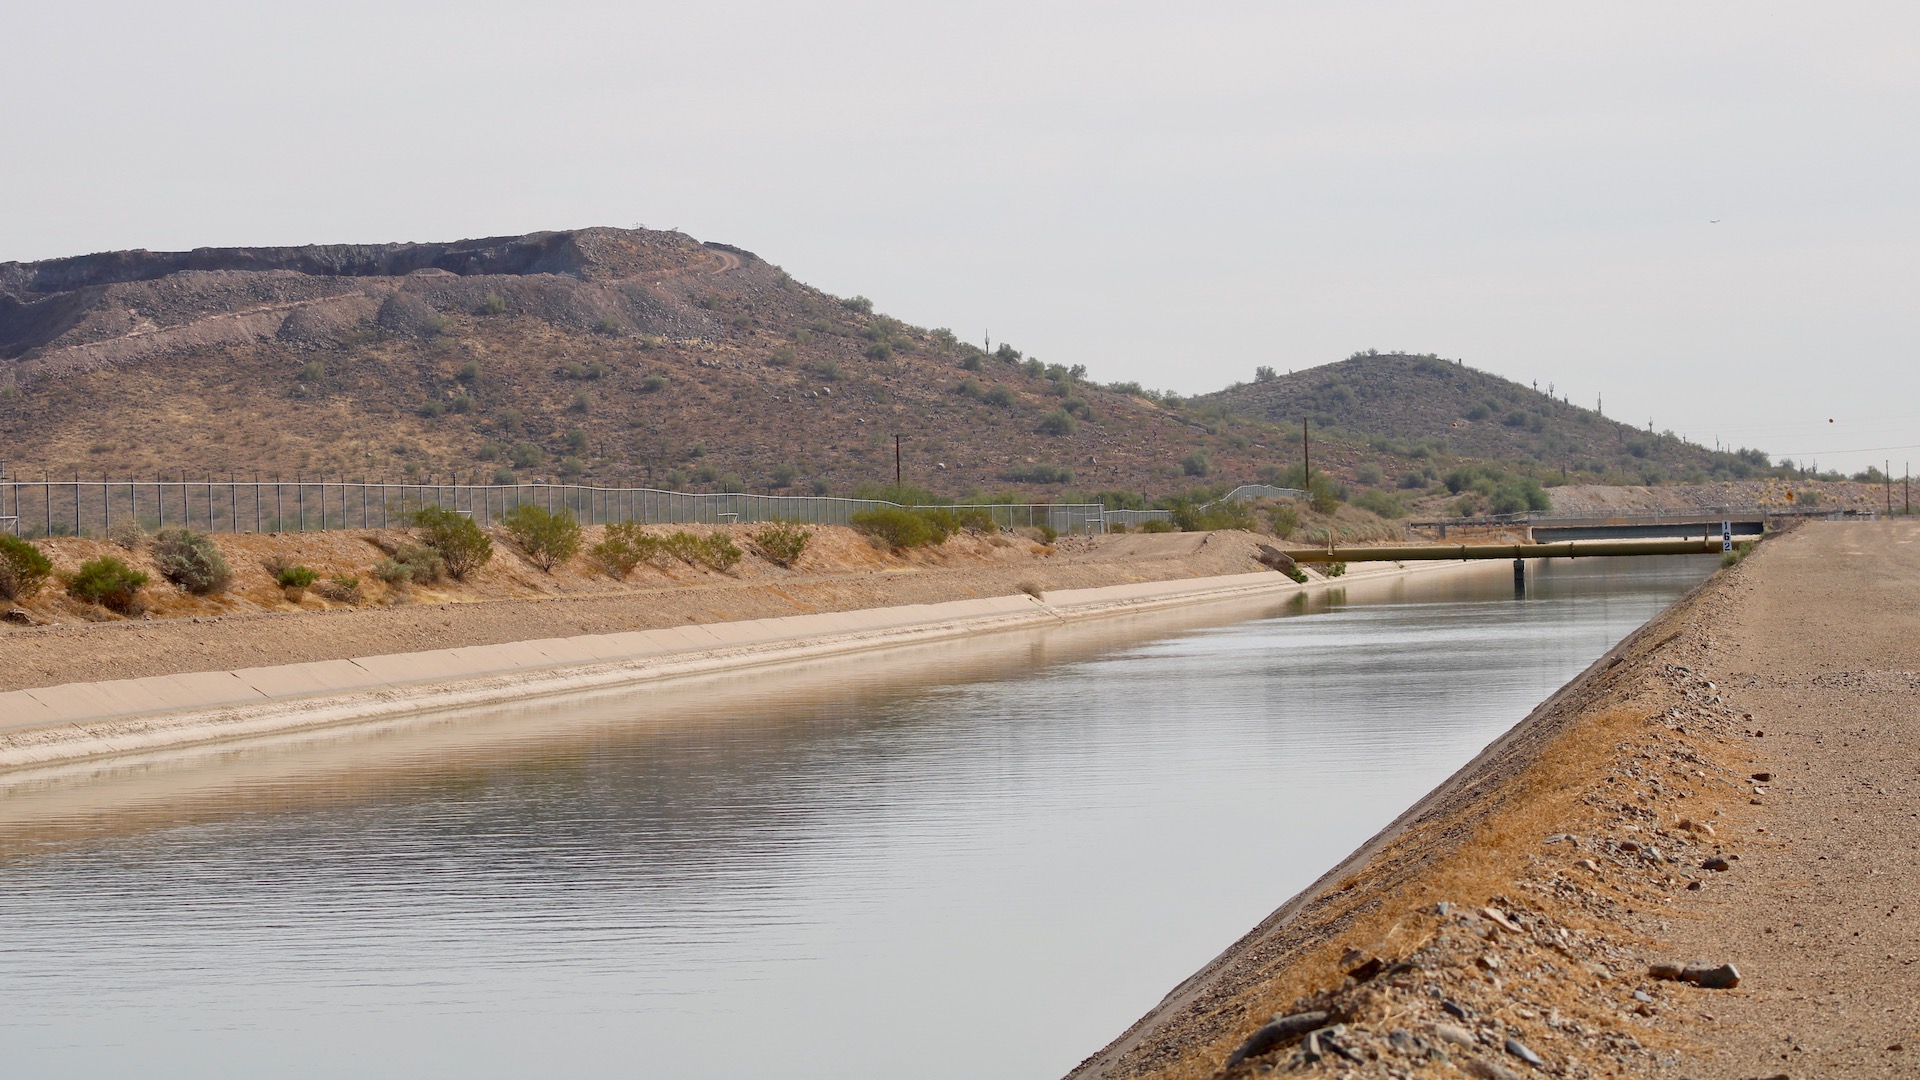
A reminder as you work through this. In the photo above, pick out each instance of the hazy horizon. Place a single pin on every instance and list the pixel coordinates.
(1703, 214)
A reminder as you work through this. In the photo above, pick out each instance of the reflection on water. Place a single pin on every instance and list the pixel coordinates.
(973, 858)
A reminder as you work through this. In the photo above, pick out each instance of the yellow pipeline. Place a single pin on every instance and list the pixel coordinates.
(1566, 549)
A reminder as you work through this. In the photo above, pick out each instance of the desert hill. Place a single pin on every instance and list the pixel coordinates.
(638, 356)
(1457, 411)
(618, 355)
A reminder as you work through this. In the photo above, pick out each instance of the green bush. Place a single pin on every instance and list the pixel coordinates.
(1158, 526)
(682, 545)
(898, 527)
(1285, 518)
(393, 572)
(625, 546)
(295, 577)
(23, 568)
(1381, 503)
(976, 519)
(548, 539)
(340, 588)
(108, 582)
(1324, 495)
(719, 551)
(1048, 534)
(999, 395)
(1198, 463)
(782, 543)
(1057, 422)
(493, 304)
(456, 538)
(424, 565)
(1039, 474)
(189, 560)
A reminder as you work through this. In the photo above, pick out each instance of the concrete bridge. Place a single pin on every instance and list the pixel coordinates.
(1635, 525)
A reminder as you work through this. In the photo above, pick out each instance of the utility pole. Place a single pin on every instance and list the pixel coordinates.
(896, 461)
(1306, 457)
(1886, 473)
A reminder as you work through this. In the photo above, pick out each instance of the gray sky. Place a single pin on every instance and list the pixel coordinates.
(1167, 193)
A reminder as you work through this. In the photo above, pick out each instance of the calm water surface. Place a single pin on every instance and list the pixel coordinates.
(981, 858)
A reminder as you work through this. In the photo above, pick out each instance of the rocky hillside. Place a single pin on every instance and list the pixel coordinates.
(633, 356)
(625, 356)
(1398, 401)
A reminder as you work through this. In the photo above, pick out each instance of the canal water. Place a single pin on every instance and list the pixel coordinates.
(978, 858)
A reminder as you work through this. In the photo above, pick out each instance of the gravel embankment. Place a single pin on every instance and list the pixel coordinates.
(1696, 860)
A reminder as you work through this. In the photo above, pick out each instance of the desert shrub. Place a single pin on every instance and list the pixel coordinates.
(1057, 422)
(1048, 534)
(719, 551)
(1039, 474)
(547, 538)
(492, 304)
(858, 303)
(784, 476)
(393, 572)
(1285, 518)
(999, 395)
(782, 543)
(295, 577)
(456, 538)
(525, 455)
(1158, 526)
(623, 547)
(1324, 495)
(970, 388)
(1198, 463)
(189, 560)
(108, 582)
(1336, 569)
(424, 564)
(23, 568)
(975, 519)
(1381, 503)
(340, 588)
(651, 383)
(1191, 517)
(1369, 474)
(128, 533)
(682, 545)
(898, 527)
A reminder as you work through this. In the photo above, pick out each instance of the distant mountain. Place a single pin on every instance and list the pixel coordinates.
(626, 356)
(647, 357)
(1403, 404)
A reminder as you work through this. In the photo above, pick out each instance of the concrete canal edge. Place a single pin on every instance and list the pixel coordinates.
(1637, 879)
(77, 721)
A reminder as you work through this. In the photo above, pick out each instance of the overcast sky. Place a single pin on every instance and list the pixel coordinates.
(1167, 193)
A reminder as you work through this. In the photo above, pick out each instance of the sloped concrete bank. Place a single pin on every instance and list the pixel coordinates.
(40, 726)
(1639, 879)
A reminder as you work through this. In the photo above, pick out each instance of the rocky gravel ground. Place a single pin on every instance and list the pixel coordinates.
(1696, 861)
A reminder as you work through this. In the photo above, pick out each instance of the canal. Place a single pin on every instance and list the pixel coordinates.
(977, 858)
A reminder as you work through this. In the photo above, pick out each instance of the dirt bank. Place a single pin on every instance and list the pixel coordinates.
(253, 624)
(1733, 784)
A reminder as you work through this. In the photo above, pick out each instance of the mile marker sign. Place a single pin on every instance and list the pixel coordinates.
(1726, 536)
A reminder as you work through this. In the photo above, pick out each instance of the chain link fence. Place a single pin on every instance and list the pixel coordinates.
(47, 507)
